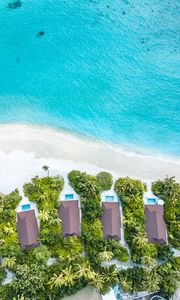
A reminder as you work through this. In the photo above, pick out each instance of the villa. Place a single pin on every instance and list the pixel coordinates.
(69, 214)
(111, 220)
(27, 228)
(155, 224)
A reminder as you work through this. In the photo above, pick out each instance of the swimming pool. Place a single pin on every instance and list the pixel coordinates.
(69, 197)
(151, 200)
(26, 206)
(109, 198)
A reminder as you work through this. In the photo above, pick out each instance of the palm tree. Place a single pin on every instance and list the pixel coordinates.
(125, 187)
(112, 272)
(84, 270)
(19, 297)
(105, 255)
(68, 257)
(56, 281)
(43, 216)
(37, 181)
(130, 221)
(172, 277)
(43, 196)
(89, 188)
(66, 278)
(169, 184)
(126, 285)
(140, 240)
(54, 182)
(9, 262)
(98, 281)
(153, 280)
(8, 229)
(55, 221)
(129, 185)
(148, 262)
(46, 169)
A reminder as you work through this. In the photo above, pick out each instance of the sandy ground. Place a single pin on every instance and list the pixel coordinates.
(85, 294)
(67, 151)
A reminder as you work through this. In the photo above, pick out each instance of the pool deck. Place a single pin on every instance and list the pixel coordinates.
(25, 201)
(68, 190)
(109, 193)
(149, 195)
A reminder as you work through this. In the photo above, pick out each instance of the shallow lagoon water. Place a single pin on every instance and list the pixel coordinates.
(106, 69)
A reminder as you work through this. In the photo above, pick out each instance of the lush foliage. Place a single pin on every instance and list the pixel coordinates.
(170, 277)
(163, 278)
(9, 246)
(169, 191)
(32, 273)
(130, 192)
(105, 180)
(45, 192)
(2, 274)
(84, 184)
(164, 252)
(91, 208)
(92, 233)
(29, 281)
(58, 266)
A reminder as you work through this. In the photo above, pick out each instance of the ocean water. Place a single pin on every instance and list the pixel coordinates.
(106, 69)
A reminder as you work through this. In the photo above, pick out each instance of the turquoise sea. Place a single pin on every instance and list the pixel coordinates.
(108, 69)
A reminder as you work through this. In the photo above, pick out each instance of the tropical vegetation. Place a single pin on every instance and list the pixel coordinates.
(169, 191)
(9, 246)
(92, 233)
(105, 180)
(130, 192)
(61, 266)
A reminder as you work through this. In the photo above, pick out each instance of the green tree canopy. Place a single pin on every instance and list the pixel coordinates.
(105, 180)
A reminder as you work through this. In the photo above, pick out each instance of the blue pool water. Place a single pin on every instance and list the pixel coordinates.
(151, 200)
(26, 207)
(106, 69)
(69, 197)
(109, 198)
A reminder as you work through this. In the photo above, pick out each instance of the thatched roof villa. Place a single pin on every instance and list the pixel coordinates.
(111, 220)
(155, 224)
(27, 228)
(69, 214)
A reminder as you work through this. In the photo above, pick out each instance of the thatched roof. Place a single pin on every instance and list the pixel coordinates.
(69, 214)
(155, 225)
(111, 220)
(27, 228)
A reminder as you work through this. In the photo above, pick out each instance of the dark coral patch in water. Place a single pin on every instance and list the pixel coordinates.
(15, 4)
(40, 33)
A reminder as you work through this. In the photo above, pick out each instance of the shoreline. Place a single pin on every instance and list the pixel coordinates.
(25, 148)
(67, 134)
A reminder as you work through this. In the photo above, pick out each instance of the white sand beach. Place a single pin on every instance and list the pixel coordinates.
(24, 149)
